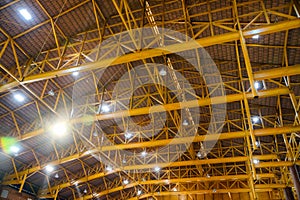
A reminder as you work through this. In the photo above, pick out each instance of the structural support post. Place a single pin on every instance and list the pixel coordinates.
(295, 177)
(23, 182)
(296, 6)
(288, 193)
(56, 194)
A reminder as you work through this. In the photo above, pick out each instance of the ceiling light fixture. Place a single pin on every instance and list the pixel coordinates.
(105, 108)
(19, 97)
(185, 122)
(125, 181)
(14, 149)
(144, 153)
(255, 119)
(139, 192)
(128, 135)
(257, 143)
(75, 74)
(199, 155)
(95, 134)
(56, 175)
(51, 93)
(109, 168)
(24, 12)
(255, 36)
(157, 169)
(257, 85)
(255, 161)
(49, 168)
(162, 72)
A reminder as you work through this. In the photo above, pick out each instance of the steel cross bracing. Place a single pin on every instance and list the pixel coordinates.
(229, 165)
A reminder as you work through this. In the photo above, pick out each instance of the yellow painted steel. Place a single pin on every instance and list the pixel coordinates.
(268, 161)
(262, 132)
(204, 42)
(277, 72)
(261, 187)
(161, 181)
(148, 182)
(167, 107)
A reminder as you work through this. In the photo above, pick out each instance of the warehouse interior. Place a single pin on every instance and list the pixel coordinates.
(150, 99)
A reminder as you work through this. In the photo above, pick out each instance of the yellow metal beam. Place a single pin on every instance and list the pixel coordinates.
(268, 74)
(274, 164)
(166, 181)
(204, 42)
(277, 72)
(261, 187)
(186, 104)
(161, 181)
(31, 134)
(22, 183)
(11, 179)
(135, 167)
(168, 107)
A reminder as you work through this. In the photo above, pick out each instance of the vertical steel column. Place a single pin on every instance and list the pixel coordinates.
(288, 193)
(295, 177)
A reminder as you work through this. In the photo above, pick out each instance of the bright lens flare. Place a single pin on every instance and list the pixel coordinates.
(9, 145)
(49, 168)
(14, 149)
(59, 129)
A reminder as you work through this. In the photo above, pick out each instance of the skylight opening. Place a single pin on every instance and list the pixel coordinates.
(24, 12)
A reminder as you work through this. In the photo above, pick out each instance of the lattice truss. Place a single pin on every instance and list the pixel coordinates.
(260, 79)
